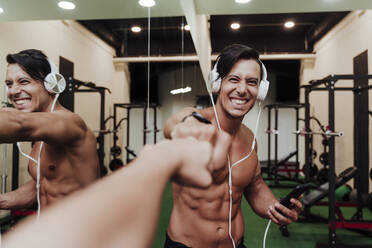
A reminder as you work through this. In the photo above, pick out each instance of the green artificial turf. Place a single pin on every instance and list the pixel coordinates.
(303, 235)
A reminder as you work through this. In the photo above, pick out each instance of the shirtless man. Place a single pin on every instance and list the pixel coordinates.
(130, 199)
(69, 155)
(200, 218)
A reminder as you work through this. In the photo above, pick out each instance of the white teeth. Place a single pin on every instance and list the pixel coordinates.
(238, 101)
(20, 102)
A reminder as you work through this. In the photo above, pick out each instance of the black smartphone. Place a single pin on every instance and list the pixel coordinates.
(295, 193)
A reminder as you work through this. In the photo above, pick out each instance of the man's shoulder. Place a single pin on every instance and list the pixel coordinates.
(71, 118)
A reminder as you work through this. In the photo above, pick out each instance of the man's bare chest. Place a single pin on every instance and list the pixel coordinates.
(52, 161)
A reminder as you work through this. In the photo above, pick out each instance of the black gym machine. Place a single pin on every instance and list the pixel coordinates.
(276, 168)
(283, 169)
(115, 149)
(75, 85)
(361, 152)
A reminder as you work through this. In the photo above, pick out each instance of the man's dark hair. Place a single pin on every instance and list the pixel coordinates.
(32, 61)
(232, 54)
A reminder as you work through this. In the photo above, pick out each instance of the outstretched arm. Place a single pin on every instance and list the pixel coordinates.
(177, 127)
(58, 127)
(23, 197)
(122, 209)
(174, 120)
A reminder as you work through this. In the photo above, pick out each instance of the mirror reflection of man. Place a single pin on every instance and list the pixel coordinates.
(68, 159)
(200, 218)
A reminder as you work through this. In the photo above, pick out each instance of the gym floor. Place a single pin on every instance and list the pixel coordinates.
(304, 235)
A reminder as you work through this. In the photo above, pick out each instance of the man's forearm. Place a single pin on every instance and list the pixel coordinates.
(260, 197)
(126, 205)
(10, 125)
(174, 120)
(23, 197)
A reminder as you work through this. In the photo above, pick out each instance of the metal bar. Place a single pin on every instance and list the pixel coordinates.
(135, 105)
(332, 174)
(351, 77)
(284, 56)
(308, 152)
(297, 138)
(155, 125)
(128, 133)
(85, 90)
(115, 128)
(101, 136)
(5, 153)
(276, 143)
(334, 78)
(4, 168)
(144, 125)
(326, 133)
(361, 127)
(15, 167)
(269, 144)
(336, 89)
(280, 105)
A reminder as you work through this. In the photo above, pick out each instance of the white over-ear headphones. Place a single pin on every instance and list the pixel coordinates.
(54, 82)
(214, 82)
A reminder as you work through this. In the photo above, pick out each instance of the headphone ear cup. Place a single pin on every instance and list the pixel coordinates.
(214, 81)
(263, 89)
(210, 82)
(55, 83)
(216, 86)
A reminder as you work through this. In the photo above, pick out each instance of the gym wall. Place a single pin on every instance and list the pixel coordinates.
(334, 55)
(93, 61)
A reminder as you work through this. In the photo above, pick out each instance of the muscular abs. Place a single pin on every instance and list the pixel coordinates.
(200, 217)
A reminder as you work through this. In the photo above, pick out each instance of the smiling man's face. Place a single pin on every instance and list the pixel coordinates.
(24, 92)
(239, 88)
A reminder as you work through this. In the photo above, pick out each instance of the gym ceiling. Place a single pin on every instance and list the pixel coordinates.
(261, 22)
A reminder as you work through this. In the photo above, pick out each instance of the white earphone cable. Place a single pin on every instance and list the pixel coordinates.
(254, 137)
(38, 162)
(236, 163)
(266, 231)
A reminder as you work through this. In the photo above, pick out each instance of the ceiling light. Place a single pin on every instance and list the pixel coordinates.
(181, 90)
(136, 29)
(242, 1)
(66, 5)
(1, 10)
(146, 3)
(187, 27)
(289, 24)
(235, 25)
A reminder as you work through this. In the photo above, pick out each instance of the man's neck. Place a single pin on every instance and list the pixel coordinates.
(57, 106)
(228, 124)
